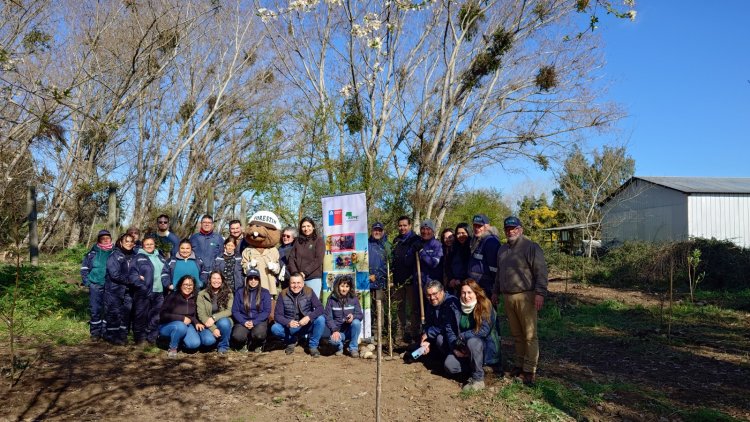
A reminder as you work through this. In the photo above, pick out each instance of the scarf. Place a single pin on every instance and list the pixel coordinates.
(107, 247)
(205, 233)
(468, 308)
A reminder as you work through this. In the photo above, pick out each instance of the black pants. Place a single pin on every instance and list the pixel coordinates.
(254, 337)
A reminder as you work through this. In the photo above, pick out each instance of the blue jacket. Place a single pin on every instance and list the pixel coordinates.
(430, 253)
(338, 309)
(435, 316)
(207, 247)
(201, 269)
(404, 261)
(379, 252)
(89, 261)
(487, 332)
(253, 314)
(290, 307)
(483, 261)
(118, 268)
(142, 267)
(172, 239)
(239, 275)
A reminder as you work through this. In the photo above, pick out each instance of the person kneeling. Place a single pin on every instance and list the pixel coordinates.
(298, 312)
(178, 317)
(344, 316)
(251, 309)
(214, 311)
(475, 342)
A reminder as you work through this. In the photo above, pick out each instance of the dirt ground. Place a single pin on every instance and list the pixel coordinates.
(95, 381)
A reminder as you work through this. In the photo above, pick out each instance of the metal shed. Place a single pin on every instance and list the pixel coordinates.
(660, 209)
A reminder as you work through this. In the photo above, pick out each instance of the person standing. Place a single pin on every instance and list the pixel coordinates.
(119, 290)
(230, 264)
(404, 265)
(457, 261)
(287, 241)
(379, 252)
(186, 263)
(207, 244)
(522, 280)
(93, 274)
(235, 232)
(167, 242)
(147, 274)
(483, 260)
(306, 256)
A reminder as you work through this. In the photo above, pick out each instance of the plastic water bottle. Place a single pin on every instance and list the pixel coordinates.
(417, 353)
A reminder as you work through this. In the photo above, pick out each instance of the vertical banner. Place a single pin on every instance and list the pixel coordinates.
(345, 233)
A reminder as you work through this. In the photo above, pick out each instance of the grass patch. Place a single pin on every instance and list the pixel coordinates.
(706, 415)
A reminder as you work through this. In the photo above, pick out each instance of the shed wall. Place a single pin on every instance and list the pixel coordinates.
(721, 216)
(646, 212)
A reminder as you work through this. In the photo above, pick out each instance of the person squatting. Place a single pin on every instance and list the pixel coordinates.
(240, 293)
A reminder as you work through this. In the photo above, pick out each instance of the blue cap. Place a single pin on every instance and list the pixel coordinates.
(378, 225)
(103, 233)
(512, 222)
(252, 272)
(480, 219)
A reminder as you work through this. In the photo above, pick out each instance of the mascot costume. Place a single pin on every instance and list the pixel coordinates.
(262, 234)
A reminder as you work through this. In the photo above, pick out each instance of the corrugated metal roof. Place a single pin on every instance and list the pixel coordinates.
(702, 184)
(571, 227)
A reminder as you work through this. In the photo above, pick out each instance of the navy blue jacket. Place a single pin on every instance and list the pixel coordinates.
(239, 275)
(253, 314)
(457, 262)
(290, 307)
(338, 309)
(207, 247)
(435, 316)
(379, 252)
(487, 332)
(118, 268)
(142, 266)
(430, 254)
(404, 261)
(483, 262)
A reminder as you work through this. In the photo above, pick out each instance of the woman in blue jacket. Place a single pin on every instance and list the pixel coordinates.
(473, 339)
(344, 316)
(250, 310)
(151, 280)
(119, 291)
(230, 265)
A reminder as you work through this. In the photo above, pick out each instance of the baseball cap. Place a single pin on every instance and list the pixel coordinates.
(103, 233)
(480, 219)
(512, 222)
(252, 272)
(378, 225)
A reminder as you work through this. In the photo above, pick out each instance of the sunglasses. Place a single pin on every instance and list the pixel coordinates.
(163, 222)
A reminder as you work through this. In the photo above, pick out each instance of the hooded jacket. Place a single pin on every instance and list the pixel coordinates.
(204, 308)
(488, 332)
(430, 253)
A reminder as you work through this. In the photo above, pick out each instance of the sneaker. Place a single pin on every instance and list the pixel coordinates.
(528, 378)
(258, 349)
(222, 351)
(314, 352)
(474, 385)
(339, 352)
(172, 353)
(243, 349)
(289, 349)
(354, 353)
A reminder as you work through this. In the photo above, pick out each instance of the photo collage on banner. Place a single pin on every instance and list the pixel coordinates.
(345, 233)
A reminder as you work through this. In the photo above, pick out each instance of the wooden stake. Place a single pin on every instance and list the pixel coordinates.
(379, 385)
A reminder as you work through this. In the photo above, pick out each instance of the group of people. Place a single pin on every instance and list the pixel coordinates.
(207, 291)
(463, 275)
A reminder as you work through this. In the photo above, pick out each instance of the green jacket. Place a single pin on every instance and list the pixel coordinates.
(205, 309)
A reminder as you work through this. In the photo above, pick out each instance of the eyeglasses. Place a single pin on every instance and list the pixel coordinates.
(432, 294)
(187, 285)
(287, 236)
(163, 221)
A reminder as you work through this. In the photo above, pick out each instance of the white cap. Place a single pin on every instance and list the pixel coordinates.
(267, 219)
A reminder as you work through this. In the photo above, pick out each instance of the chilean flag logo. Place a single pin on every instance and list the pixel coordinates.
(335, 217)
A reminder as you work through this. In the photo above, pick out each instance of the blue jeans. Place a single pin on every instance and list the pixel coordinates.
(316, 284)
(96, 306)
(178, 331)
(351, 332)
(225, 328)
(289, 335)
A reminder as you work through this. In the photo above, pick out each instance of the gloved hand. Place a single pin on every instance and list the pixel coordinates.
(274, 267)
(253, 263)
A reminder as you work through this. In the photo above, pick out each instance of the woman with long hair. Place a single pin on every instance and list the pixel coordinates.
(457, 260)
(472, 340)
(119, 291)
(344, 316)
(251, 309)
(215, 311)
(306, 256)
(178, 317)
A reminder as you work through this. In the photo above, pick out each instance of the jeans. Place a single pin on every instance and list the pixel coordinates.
(473, 363)
(225, 328)
(96, 306)
(178, 331)
(289, 335)
(316, 284)
(348, 331)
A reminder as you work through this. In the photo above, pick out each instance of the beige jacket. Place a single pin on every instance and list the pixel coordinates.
(263, 257)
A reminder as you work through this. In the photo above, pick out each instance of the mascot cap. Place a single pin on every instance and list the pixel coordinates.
(267, 219)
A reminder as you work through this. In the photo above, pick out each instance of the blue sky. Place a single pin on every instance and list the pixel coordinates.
(681, 71)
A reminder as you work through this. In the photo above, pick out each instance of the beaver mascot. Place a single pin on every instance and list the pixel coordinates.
(262, 234)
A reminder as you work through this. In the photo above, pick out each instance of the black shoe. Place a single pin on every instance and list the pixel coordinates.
(529, 379)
